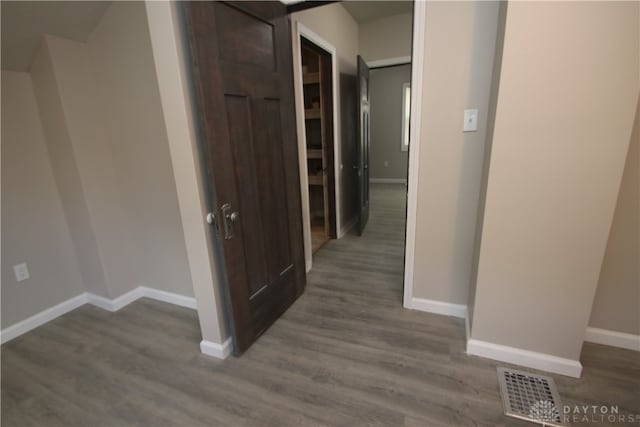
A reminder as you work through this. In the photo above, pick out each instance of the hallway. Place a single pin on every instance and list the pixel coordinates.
(370, 266)
(345, 354)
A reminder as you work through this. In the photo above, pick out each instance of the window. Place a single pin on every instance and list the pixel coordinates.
(406, 113)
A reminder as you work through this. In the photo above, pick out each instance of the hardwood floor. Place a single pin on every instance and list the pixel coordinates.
(345, 354)
(318, 238)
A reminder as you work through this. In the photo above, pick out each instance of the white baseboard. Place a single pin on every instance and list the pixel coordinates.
(116, 303)
(220, 351)
(41, 318)
(467, 324)
(348, 226)
(170, 297)
(100, 301)
(612, 338)
(438, 307)
(530, 359)
(388, 181)
(112, 305)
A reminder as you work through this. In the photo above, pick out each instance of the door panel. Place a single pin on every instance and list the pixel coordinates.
(363, 144)
(349, 115)
(241, 54)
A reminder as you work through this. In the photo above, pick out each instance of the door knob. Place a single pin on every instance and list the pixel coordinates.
(229, 217)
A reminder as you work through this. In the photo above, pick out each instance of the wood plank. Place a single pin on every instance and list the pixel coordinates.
(346, 353)
(314, 153)
(312, 113)
(311, 78)
(316, 180)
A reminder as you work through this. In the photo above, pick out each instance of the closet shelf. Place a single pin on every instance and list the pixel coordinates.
(314, 153)
(316, 180)
(311, 78)
(312, 113)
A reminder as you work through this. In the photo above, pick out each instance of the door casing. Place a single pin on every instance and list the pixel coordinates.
(302, 31)
(167, 41)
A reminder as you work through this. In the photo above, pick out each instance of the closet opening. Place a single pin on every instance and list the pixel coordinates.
(318, 120)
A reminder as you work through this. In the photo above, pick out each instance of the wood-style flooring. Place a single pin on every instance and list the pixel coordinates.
(318, 238)
(345, 354)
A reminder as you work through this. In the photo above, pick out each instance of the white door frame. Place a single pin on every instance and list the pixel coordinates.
(167, 38)
(302, 31)
(389, 62)
(417, 74)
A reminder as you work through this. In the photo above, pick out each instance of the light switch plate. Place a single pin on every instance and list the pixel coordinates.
(21, 271)
(470, 120)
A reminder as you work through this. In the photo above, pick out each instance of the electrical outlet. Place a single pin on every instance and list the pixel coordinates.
(21, 271)
(470, 120)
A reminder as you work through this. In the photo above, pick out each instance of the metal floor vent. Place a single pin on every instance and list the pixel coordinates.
(530, 397)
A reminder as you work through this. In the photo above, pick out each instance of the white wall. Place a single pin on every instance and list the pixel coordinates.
(67, 176)
(338, 28)
(334, 24)
(459, 48)
(616, 306)
(122, 63)
(94, 158)
(170, 53)
(388, 37)
(104, 139)
(34, 228)
(386, 98)
(566, 103)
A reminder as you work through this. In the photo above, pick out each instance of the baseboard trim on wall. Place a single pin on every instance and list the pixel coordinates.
(41, 318)
(612, 338)
(170, 297)
(529, 359)
(111, 305)
(348, 226)
(467, 324)
(438, 307)
(388, 181)
(116, 303)
(220, 351)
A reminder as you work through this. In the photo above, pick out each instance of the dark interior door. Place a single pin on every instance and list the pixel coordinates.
(243, 73)
(363, 144)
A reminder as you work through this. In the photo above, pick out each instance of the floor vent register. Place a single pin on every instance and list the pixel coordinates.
(530, 397)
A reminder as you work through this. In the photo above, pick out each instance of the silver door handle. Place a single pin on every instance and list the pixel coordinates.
(228, 218)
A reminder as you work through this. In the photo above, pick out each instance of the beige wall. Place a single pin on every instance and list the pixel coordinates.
(66, 174)
(491, 117)
(34, 228)
(386, 122)
(388, 37)
(334, 24)
(567, 98)
(459, 46)
(170, 53)
(617, 302)
(122, 63)
(338, 28)
(104, 139)
(95, 162)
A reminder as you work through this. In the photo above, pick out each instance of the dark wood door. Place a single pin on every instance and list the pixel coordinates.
(363, 144)
(243, 73)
